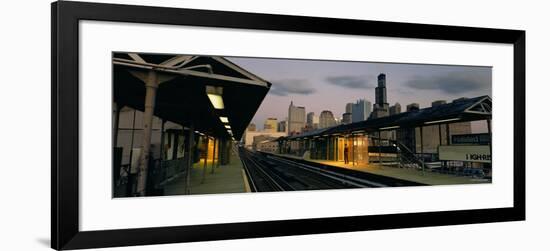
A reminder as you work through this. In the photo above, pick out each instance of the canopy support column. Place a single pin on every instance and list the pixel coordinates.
(422, 148)
(448, 131)
(190, 157)
(205, 159)
(380, 148)
(491, 139)
(440, 142)
(214, 155)
(116, 167)
(115, 123)
(129, 176)
(151, 85)
(220, 148)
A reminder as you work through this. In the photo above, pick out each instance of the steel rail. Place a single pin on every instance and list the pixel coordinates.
(346, 179)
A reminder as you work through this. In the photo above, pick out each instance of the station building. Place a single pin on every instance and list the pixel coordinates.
(171, 112)
(420, 138)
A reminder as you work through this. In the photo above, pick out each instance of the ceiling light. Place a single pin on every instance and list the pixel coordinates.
(216, 100)
(215, 96)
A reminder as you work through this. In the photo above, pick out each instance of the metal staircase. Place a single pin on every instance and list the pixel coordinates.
(407, 158)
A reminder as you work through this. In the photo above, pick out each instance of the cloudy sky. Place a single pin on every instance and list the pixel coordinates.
(329, 85)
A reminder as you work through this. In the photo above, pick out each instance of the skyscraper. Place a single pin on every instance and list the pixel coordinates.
(326, 119)
(312, 121)
(281, 126)
(395, 109)
(360, 110)
(349, 107)
(296, 118)
(270, 125)
(347, 118)
(381, 106)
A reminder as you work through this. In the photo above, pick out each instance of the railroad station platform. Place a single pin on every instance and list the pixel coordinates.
(228, 178)
(427, 177)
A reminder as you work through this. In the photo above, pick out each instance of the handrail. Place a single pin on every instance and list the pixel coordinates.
(418, 161)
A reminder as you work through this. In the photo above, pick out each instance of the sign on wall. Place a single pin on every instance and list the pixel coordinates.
(472, 139)
(470, 153)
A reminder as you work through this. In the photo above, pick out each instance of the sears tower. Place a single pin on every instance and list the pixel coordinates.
(381, 106)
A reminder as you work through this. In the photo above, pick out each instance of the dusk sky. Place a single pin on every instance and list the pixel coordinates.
(329, 85)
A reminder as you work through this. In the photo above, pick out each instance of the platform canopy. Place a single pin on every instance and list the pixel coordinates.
(460, 110)
(198, 91)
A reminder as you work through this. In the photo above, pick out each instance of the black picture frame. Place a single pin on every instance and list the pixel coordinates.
(65, 233)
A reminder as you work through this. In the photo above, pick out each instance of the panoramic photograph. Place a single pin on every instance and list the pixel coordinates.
(196, 124)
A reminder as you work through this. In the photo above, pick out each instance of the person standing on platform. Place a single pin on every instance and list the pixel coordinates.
(346, 159)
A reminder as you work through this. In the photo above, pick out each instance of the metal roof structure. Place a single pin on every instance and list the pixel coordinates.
(182, 97)
(460, 110)
(309, 133)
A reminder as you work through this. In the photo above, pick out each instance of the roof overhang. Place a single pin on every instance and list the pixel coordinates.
(182, 93)
(465, 110)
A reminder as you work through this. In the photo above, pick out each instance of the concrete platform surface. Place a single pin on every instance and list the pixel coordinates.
(427, 177)
(225, 179)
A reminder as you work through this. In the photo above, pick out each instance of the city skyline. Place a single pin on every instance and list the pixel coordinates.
(330, 85)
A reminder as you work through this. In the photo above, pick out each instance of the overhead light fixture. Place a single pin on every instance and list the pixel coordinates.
(215, 96)
(228, 126)
(441, 121)
(216, 101)
(224, 119)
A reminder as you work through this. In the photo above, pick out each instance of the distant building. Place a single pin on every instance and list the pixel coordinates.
(326, 119)
(251, 127)
(270, 125)
(413, 107)
(248, 138)
(360, 110)
(269, 145)
(296, 118)
(281, 126)
(438, 102)
(381, 106)
(349, 108)
(395, 109)
(312, 120)
(347, 118)
(261, 142)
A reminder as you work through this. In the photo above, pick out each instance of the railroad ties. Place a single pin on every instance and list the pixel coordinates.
(267, 173)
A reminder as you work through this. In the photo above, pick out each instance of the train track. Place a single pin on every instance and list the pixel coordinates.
(273, 173)
(259, 177)
(369, 179)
